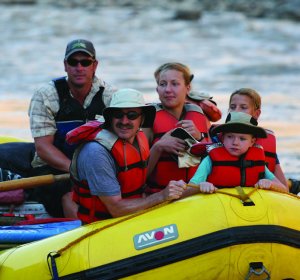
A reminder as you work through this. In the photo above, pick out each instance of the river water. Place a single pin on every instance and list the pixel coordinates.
(225, 51)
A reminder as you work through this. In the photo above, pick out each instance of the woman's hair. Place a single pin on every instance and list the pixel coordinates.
(188, 77)
(251, 93)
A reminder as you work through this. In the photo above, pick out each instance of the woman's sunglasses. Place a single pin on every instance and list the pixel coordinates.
(84, 62)
(131, 115)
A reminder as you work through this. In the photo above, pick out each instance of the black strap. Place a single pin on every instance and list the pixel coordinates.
(158, 135)
(243, 165)
(270, 154)
(99, 215)
(135, 192)
(62, 87)
(239, 163)
(141, 164)
(52, 264)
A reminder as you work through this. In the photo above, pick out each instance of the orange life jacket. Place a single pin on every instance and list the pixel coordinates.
(269, 145)
(167, 166)
(232, 171)
(84, 133)
(131, 168)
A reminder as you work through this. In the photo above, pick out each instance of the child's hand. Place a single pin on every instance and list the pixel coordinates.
(206, 187)
(264, 184)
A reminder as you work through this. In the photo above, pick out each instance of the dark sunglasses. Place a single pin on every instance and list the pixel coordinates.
(84, 62)
(131, 115)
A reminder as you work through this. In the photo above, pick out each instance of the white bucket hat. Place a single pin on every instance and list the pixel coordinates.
(130, 98)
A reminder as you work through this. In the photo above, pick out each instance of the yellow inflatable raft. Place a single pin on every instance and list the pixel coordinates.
(205, 236)
(6, 139)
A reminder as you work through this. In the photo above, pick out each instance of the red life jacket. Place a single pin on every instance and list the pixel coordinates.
(84, 133)
(131, 174)
(232, 171)
(167, 166)
(269, 145)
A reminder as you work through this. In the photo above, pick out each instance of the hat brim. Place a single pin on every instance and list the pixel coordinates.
(79, 50)
(149, 112)
(239, 128)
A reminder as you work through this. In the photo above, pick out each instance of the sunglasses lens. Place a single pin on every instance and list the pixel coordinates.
(74, 62)
(131, 115)
(118, 114)
(86, 62)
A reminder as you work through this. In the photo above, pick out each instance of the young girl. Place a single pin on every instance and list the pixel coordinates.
(173, 85)
(248, 100)
(237, 160)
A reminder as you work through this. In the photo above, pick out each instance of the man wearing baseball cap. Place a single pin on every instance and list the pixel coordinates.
(58, 107)
(110, 169)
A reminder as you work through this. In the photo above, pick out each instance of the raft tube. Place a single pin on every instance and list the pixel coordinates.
(205, 236)
(7, 139)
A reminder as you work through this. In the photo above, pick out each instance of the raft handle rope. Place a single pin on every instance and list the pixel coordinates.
(52, 264)
(52, 255)
(245, 199)
(55, 254)
(74, 242)
(242, 197)
(59, 252)
(245, 196)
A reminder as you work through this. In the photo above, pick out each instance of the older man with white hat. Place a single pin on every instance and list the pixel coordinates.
(110, 171)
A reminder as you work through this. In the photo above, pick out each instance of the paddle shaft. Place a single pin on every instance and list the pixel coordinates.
(32, 182)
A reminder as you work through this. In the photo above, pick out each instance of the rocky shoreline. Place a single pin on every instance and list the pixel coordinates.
(189, 9)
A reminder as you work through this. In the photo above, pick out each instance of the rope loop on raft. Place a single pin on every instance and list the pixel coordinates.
(51, 258)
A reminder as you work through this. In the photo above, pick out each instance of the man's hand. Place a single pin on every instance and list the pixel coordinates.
(174, 190)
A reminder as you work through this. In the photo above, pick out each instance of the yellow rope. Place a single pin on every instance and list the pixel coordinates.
(217, 191)
(74, 242)
(251, 192)
(126, 218)
(273, 188)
